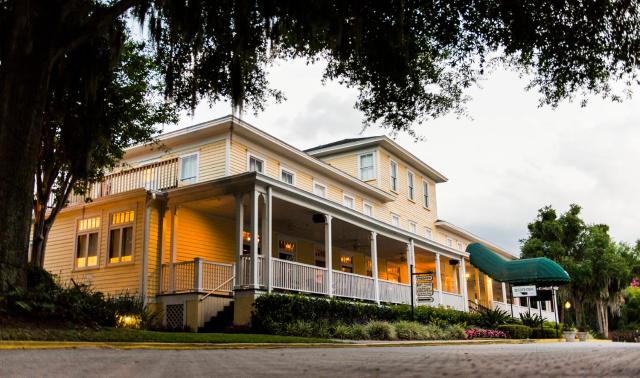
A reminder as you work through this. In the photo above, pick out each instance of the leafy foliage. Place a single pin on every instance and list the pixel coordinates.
(516, 331)
(77, 305)
(532, 320)
(272, 311)
(491, 318)
(600, 269)
(478, 333)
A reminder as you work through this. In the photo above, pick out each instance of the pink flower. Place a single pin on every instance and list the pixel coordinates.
(475, 333)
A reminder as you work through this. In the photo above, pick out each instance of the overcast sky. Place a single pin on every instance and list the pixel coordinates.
(504, 162)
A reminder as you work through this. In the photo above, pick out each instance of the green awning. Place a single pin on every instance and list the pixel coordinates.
(539, 270)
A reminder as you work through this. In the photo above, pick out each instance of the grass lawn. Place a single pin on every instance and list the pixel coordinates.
(130, 335)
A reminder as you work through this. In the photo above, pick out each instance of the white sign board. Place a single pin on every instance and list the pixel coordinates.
(524, 291)
(424, 288)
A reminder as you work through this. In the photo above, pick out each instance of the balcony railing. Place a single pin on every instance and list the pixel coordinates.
(155, 176)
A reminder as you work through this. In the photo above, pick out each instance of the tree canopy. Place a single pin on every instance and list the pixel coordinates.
(410, 60)
(600, 269)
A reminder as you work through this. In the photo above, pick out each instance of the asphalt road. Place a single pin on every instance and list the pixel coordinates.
(557, 359)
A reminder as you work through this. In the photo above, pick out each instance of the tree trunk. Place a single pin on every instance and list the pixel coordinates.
(603, 318)
(24, 80)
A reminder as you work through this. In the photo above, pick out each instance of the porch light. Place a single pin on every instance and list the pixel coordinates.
(467, 275)
(128, 321)
(567, 305)
(246, 236)
(287, 246)
(346, 259)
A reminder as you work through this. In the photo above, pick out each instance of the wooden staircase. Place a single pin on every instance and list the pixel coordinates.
(220, 322)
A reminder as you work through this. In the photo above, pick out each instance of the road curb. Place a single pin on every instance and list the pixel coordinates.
(9, 345)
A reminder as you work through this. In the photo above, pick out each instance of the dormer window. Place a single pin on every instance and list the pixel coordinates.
(367, 170)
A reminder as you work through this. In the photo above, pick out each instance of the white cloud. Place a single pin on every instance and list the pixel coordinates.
(504, 163)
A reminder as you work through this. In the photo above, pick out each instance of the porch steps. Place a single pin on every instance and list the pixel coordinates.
(222, 321)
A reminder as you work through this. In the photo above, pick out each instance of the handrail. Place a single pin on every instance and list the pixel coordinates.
(218, 287)
(299, 263)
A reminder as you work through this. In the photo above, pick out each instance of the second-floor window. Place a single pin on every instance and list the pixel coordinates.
(393, 169)
(367, 209)
(395, 220)
(319, 189)
(256, 164)
(348, 201)
(428, 233)
(189, 169)
(413, 227)
(411, 191)
(425, 194)
(367, 171)
(287, 176)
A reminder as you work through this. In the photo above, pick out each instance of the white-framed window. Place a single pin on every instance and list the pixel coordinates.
(426, 200)
(367, 209)
(87, 242)
(346, 263)
(121, 236)
(189, 168)
(413, 227)
(256, 164)
(428, 233)
(393, 173)
(459, 246)
(320, 259)
(367, 166)
(411, 191)
(287, 176)
(287, 250)
(319, 189)
(395, 220)
(348, 201)
(449, 242)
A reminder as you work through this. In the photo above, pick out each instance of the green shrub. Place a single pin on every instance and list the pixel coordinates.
(516, 331)
(489, 318)
(454, 332)
(409, 330)
(379, 330)
(300, 328)
(342, 331)
(532, 320)
(358, 332)
(545, 333)
(433, 332)
(271, 311)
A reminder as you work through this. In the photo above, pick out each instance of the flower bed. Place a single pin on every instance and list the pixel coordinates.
(476, 333)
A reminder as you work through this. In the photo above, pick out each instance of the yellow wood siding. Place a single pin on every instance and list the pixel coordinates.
(204, 235)
(349, 164)
(108, 278)
(155, 243)
(212, 161)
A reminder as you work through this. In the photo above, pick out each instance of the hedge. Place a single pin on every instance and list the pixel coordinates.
(516, 331)
(546, 333)
(273, 311)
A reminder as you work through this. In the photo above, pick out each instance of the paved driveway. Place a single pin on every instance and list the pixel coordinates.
(551, 359)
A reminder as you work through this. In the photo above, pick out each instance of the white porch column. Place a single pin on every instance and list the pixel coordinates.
(328, 253)
(504, 292)
(255, 196)
(240, 270)
(411, 262)
(266, 236)
(463, 282)
(374, 266)
(197, 274)
(439, 279)
(172, 256)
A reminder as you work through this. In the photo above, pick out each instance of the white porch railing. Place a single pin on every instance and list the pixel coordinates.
(454, 301)
(351, 285)
(155, 176)
(394, 292)
(289, 275)
(197, 276)
(245, 271)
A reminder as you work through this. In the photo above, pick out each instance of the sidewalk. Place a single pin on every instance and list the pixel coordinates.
(5, 345)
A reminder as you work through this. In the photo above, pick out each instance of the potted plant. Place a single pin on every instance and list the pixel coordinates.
(569, 333)
(582, 334)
